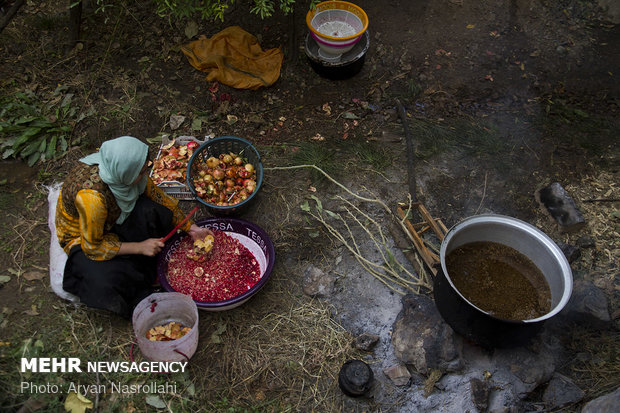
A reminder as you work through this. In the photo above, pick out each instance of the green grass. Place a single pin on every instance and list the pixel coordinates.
(371, 155)
(459, 135)
(319, 155)
(570, 125)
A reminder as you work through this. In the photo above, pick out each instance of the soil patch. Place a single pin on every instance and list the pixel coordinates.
(501, 99)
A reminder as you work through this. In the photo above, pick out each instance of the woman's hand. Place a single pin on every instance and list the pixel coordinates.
(197, 232)
(149, 247)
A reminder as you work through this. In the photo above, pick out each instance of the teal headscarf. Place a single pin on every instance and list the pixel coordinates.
(120, 161)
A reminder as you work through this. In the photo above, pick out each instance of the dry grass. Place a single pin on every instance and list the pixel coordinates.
(595, 365)
(279, 352)
(277, 360)
(595, 264)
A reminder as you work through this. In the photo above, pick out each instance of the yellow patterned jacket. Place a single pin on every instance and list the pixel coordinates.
(86, 212)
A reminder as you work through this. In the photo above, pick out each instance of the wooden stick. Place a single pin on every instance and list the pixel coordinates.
(180, 224)
(419, 244)
(431, 222)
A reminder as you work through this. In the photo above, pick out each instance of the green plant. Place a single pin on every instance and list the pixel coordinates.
(320, 156)
(372, 156)
(216, 9)
(414, 88)
(34, 129)
(471, 138)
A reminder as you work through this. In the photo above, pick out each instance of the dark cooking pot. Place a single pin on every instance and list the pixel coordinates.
(344, 67)
(480, 326)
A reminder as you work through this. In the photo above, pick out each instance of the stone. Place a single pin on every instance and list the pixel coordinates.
(505, 409)
(571, 252)
(557, 203)
(479, 394)
(531, 368)
(560, 392)
(586, 241)
(398, 374)
(421, 338)
(588, 305)
(605, 404)
(365, 341)
(317, 283)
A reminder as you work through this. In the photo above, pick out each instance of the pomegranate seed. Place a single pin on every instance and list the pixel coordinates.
(227, 271)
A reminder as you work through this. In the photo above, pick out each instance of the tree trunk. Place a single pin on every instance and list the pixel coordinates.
(4, 20)
(75, 21)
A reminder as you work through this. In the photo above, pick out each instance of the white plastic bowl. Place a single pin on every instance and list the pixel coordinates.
(336, 26)
(333, 47)
(160, 309)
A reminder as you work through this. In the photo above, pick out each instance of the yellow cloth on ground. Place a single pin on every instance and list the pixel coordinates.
(234, 58)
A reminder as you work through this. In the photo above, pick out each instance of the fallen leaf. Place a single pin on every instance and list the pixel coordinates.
(34, 275)
(350, 115)
(155, 401)
(429, 383)
(76, 403)
(231, 119)
(215, 336)
(318, 137)
(32, 405)
(197, 124)
(176, 121)
(32, 312)
(155, 140)
(470, 26)
(191, 29)
(4, 279)
(191, 389)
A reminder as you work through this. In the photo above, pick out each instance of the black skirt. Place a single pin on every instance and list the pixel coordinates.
(120, 283)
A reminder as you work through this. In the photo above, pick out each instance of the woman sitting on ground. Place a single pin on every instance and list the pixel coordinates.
(110, 219)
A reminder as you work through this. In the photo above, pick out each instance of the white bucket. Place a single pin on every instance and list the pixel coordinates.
(160, 309)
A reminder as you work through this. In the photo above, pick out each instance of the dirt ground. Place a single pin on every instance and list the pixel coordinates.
(501, 98)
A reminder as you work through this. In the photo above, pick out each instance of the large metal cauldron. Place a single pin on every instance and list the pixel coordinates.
(472, 322)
